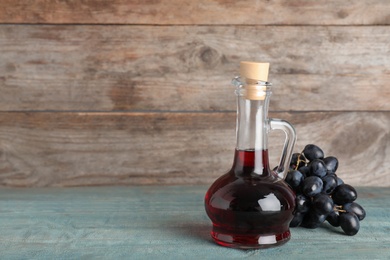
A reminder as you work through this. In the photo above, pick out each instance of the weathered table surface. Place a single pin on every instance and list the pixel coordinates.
(161, 222)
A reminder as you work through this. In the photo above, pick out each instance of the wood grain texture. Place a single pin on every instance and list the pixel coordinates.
(73, 149)
(137, 92)
(153, 222)
(292, 12)
(188, 68)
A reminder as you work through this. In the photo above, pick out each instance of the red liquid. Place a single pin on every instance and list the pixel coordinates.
(248, 209)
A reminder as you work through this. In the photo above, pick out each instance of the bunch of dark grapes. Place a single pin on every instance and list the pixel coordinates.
(320, 194)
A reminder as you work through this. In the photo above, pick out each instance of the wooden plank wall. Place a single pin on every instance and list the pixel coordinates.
(138, 92)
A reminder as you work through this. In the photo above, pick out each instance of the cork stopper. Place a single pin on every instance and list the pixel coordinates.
(254, 72)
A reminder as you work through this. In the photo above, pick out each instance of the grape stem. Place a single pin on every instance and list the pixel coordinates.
(299, 160)
(339, 208)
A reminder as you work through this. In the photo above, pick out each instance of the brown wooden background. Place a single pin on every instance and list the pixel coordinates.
(138, 92)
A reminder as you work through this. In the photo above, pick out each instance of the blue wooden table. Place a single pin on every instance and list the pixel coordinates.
(168, 222)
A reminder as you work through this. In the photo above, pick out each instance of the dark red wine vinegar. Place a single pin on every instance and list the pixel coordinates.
(250, 206)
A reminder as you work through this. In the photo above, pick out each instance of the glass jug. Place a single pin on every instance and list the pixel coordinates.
(251, 206)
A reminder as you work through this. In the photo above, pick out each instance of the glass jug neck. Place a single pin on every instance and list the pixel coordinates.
(252, 125)
(252, 115)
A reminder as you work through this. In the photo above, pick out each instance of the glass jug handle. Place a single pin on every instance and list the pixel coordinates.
(291, 137)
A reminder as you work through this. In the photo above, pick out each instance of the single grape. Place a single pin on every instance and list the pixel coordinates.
(294, 158)
(322, 204)
(313, 220)
(302, 203)
(312, 185)
(350, 224)
(317, 168)
(331, 164)
(297, 219)
(312, 152)
(330, 183)
(304, 170)
(355, 208)
(343, 194)
(339, 181)
(294, 178)
(333, 219)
